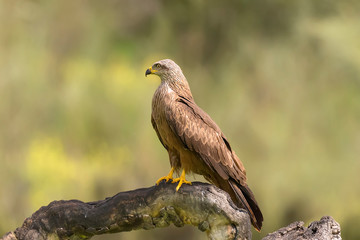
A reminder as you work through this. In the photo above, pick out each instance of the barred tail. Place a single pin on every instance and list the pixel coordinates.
(246, 197)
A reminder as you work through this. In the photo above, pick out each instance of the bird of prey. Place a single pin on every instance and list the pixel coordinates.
(193, 140)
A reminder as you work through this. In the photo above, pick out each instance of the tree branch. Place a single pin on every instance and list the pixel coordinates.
(326, 228)
(202, 205)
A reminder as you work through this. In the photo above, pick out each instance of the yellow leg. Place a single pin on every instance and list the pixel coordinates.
(167, 178)
(181, 180)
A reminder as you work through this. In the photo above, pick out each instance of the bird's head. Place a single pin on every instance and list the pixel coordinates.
(167, 70)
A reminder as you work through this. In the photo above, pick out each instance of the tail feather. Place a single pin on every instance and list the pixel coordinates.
(247, 199)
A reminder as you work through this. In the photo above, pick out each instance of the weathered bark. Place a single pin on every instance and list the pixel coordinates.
(325, 229)
(202, 205)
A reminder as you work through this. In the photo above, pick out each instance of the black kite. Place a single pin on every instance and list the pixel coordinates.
(193, 140)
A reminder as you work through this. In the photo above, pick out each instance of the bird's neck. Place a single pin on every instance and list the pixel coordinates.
(180, 86)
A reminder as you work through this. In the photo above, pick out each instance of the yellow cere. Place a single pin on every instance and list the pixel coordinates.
(152, 70)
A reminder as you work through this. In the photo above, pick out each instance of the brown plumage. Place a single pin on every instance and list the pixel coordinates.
(193, 140)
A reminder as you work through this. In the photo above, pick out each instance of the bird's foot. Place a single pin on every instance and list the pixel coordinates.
(181, 180)
(166, 178)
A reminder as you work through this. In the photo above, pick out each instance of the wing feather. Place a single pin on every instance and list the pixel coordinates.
(201, 135)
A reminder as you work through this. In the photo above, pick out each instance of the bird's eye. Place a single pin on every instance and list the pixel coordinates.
(157, 65)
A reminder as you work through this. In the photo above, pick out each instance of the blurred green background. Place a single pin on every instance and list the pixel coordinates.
(281, 78)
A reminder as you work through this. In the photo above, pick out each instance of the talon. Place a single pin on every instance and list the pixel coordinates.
(181, 180)
(166, 178)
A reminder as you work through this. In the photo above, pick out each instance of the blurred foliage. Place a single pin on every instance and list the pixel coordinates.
(281, 78)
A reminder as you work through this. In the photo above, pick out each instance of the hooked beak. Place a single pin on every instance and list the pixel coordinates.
(150, 71)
